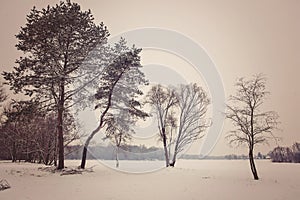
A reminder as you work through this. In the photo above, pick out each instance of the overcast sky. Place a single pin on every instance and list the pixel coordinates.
(241, 37)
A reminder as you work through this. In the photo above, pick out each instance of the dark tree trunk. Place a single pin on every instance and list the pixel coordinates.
(165, 148)
(172, 164)
(87, 142)
(252, 165)
(14, 153)
(55, 152)
(251, 147)
(83, 159)
(175, 155)
(60, 138)
(60, 128)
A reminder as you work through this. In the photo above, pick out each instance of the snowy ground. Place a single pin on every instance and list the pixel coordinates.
(190, 179)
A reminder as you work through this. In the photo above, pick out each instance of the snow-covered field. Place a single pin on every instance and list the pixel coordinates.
(190, 179)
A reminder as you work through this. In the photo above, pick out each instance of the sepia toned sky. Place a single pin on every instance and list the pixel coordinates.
(241, 37)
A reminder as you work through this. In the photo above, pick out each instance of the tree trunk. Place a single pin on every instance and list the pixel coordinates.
(14, 153)
(117, 157)
(251, 158)
(252, 165)
(172, 164)
(83, 159)
(87, 142)
(60, 138)
(55, 152)
(175, 154)
(166, 150)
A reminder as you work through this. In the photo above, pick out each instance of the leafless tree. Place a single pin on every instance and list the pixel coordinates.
(192, 107)
(119, 131)
(252, 126)
(29, 132)
(162, 100)
(286, 154)
(296, 152)
(281, 154)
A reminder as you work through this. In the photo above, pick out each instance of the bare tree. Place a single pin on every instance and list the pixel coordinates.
(29, 132)
(162, 100)
(192, 105)
(252, 126)
(281, 154)
(119, 131)
(286, 154)
(296, 152)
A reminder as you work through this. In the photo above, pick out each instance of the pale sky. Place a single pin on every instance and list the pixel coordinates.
(241, 37)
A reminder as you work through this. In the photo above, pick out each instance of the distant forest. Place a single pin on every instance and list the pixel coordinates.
(141, 152)
(126, 152)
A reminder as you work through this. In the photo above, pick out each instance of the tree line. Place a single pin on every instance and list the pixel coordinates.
(68, 65)
(286, 154)
(108, 152)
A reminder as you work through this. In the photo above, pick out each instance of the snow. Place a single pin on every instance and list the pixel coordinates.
(190, 179)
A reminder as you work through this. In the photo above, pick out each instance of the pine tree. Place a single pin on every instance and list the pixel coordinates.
(118, 89)
(55, 42)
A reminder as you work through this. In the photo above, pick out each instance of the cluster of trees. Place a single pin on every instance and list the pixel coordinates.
(66, 61)
(286, 154)
(180, 114)
(55, 41)
(28, 132)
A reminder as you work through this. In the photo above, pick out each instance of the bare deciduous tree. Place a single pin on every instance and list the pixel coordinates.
(286, 154)
(119, 131)
(162, 100)
(281, 154)
(252, 126)
(192, 107)
(29, 132)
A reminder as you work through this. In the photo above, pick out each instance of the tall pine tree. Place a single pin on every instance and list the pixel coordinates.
(55, 42)
(118, 89)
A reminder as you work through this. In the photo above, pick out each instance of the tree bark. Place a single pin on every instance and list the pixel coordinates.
(172, 164)
(252, 165)
(166, 149)
(87, 142)
(251, 147)
(60, 139)
(175, 154)
(14, 153)
(60, 130)
(83, 159)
